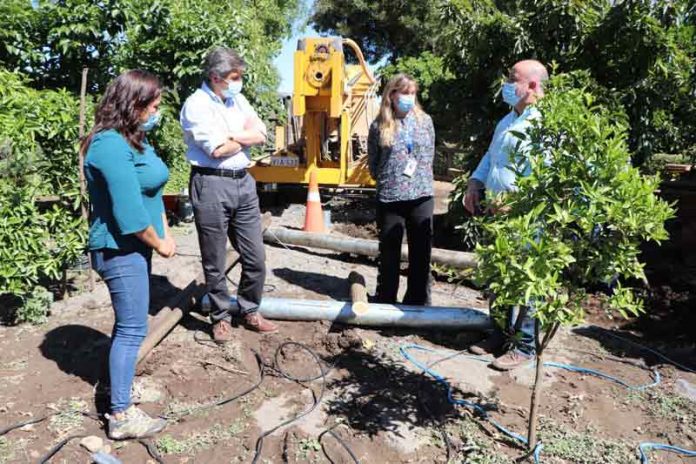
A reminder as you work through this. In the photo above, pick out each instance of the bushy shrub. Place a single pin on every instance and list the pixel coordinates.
(41, 231)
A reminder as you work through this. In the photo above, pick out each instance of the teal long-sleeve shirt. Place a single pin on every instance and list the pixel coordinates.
(125, 189)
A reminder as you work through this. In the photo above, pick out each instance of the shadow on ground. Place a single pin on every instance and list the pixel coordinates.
(629, 345)
(378, 394)
(83, 352)
(162, 293)
(334, 287)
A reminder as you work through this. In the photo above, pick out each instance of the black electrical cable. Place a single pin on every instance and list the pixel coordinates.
(36, 420)
(276, 367)
(228, 399)
(317, 398)
(19, 425)
(340, 442)
(47, 457)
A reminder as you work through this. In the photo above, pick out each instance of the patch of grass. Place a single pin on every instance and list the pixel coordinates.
(206, 439)
(177, 409)
(475, 448)
(583, 447)
(669, 406)
(167, 444)
(14, 366)
(69, 418)
(6, 452)
(308, 448)
(10, 449)
(663, 404)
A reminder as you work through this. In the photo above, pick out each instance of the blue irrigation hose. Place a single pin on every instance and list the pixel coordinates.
(642, 448)
(469, 404)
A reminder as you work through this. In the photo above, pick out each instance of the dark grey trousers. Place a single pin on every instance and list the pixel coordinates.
(229, 208)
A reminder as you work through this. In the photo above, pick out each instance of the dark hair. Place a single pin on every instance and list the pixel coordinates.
(122, 105)
(221, 61)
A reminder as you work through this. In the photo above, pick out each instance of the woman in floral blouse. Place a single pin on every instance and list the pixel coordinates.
(401, 147)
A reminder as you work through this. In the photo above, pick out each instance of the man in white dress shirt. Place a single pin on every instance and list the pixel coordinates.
(496, 173)
(219, 127)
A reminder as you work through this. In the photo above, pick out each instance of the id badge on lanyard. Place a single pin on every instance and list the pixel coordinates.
(411, 162)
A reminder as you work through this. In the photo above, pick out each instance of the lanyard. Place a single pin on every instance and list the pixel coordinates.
(408, 136)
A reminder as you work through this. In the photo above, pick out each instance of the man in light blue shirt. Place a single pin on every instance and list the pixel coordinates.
(496, 173)
(220, 127)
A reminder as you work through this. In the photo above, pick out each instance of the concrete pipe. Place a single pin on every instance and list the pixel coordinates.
(456, 259)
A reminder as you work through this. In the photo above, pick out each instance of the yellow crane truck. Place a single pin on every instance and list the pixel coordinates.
(330, 112)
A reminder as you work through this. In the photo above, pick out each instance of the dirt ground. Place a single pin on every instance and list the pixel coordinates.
(379, 404)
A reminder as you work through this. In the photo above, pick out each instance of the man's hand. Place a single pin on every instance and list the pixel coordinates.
(496, 207)
(472, 199)
(229, 148)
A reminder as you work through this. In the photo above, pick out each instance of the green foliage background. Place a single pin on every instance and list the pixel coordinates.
(636, 54)
(43, 48)
(637, 57)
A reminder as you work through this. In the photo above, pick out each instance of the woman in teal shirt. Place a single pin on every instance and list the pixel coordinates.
(125, 178)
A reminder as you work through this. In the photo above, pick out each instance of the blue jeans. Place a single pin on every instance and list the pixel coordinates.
(127, 275)
(524, 335)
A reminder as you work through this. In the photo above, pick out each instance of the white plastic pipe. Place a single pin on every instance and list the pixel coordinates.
(377, 315)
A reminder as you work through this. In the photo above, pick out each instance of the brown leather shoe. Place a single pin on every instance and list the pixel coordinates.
(512, 359)
(222, 331)
(489, 345)
(257, 323)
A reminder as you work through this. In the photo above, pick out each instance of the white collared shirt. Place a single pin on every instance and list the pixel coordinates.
(209, 122)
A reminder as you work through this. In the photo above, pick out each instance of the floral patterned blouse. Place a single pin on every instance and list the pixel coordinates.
(413, 140)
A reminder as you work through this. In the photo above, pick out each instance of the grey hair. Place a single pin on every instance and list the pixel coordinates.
(221, 61)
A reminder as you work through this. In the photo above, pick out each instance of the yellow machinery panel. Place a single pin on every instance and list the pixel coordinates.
(332, 107)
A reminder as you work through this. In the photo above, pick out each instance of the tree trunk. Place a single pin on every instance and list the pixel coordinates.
(536, 398)
(538, 379)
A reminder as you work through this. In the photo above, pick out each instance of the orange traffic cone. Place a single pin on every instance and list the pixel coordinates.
(314, 217)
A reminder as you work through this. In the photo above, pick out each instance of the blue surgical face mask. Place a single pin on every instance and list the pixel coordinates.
(151, 122)
(233, 89)
(405, 103)
(510, 95)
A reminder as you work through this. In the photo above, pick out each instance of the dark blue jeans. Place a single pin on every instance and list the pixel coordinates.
(127, 275)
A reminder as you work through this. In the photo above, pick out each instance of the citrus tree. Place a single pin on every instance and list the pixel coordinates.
(44, 45)
(38, 158)
(576, 221)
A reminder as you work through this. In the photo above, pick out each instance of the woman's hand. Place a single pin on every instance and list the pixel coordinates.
(166, 247)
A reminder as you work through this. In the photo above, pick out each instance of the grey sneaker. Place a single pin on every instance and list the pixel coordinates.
(134, 423)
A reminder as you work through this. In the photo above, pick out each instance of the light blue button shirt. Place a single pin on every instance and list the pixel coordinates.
(208, 122)
(496, 169)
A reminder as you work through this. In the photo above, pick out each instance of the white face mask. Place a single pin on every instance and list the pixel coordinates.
(233, 89)
(510, 94)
